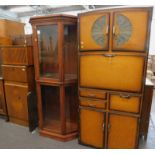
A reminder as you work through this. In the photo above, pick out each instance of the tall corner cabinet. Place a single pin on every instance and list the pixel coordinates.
(113, 50)
(55, 59)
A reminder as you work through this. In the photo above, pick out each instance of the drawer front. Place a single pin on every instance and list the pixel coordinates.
(93, 93)
(16, 98)
(125, 102)
(17, 73)
(17, 56)
(119, 72)
(93, 103)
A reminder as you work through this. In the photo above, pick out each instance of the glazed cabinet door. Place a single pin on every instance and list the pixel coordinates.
(122, 132)
(94, 31)
(130, 28)
(47, 36)
(116, 72)
(92, 125)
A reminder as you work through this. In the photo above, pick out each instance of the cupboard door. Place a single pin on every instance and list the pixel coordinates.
(130, 31)
(122, 132)
(118, 72)
(94, 31)
(92, 128)
(48, 51)
(16, 99)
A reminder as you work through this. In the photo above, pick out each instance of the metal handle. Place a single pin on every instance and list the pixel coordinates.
(125, 96)
(113, 30)
(91, 95)
(109, 55)
(109, 126)
(107, 30)
(92, 105)
(103, 126)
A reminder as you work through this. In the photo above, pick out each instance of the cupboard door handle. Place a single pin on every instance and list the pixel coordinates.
(18, 97)
(103, 126)
(125, 96)
(107, 29)
(109, 55)
(109, 126)
(114, 30)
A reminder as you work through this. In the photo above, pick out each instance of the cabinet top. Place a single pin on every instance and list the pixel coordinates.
(120, 8)
(53, 17)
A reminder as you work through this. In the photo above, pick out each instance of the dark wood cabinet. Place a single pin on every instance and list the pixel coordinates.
(55, 57)
(3, 110)
(19, 84)
(146, 108)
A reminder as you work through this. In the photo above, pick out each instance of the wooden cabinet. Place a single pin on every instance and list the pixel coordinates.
(18, 73)
(55, 57)
(2, 99)
(146, 108)
(113, 48)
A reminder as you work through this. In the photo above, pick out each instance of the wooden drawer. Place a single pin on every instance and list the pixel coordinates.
(125, 102)
(16, 99)
(18, 73)
(93, 93)
(5, 41)
(116, 72)
(17, 55)
(95, 103)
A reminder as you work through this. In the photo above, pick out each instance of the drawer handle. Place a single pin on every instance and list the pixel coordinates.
(92, 105)
(92, 95)
(125, 96)
(109, 55)
(23, 69)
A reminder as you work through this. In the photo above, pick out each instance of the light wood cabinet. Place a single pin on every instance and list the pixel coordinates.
(113, 48)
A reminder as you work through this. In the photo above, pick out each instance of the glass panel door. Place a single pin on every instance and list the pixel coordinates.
(51, 108)
(70, 52)
(48, 51)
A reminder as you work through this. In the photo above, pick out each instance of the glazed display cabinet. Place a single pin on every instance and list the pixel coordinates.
(55, 57)
(113, 50)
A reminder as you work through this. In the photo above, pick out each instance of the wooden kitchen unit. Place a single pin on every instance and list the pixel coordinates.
(55, 60)
(113, 51)
(19, 84)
